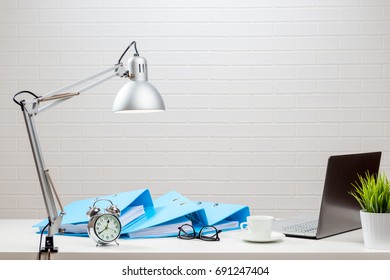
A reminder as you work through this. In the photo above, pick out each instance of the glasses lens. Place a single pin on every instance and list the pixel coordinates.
(209, 233)
(186, 232)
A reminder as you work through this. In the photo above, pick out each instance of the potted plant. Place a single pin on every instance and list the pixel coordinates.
(373, 195)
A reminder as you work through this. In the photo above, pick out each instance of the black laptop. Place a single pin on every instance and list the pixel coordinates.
(339, 211)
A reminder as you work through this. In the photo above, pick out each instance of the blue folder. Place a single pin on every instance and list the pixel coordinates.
(169, 209)
(175, 209)
(218, 214)
(76, 211)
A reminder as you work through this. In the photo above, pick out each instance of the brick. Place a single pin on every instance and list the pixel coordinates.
(258, 93)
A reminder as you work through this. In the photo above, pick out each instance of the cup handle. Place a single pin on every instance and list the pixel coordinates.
(244, 226)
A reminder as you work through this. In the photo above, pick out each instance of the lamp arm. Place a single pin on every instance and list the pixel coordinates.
(62, 94)
(54, 218)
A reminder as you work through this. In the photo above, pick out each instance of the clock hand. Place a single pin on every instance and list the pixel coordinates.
(111, 229)
(105, 227)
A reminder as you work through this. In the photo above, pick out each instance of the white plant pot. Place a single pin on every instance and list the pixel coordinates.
(376, 230)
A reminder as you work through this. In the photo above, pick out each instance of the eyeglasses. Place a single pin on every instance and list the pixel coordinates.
(206, 233)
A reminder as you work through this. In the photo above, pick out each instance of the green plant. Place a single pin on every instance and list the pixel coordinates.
(373, 194)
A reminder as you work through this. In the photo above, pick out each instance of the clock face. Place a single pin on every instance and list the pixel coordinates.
(107, 228)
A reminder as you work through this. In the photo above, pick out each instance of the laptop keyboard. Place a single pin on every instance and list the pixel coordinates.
(303, 227)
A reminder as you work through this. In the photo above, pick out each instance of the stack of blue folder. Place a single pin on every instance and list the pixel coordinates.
(143, 217)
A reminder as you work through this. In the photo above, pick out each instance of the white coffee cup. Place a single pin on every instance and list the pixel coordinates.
(259, 226)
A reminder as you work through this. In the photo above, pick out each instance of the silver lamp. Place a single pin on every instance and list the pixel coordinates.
(137, 95)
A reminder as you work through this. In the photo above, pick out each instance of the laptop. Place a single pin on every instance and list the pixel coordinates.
(339, 211)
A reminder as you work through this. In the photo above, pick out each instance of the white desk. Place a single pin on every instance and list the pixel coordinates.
(18, 240)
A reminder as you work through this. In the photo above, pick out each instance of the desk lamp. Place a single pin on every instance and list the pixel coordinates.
(137, 95)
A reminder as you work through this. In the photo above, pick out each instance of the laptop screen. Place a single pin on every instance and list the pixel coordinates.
(339, 210)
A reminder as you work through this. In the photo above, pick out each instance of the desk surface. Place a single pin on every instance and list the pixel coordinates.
(20, 241)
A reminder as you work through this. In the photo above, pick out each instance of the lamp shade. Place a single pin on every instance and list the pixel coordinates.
(138, 95)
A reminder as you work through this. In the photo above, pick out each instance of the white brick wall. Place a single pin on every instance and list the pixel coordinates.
(259, 94)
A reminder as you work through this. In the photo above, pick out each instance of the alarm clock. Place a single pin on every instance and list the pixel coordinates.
(104, 227)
